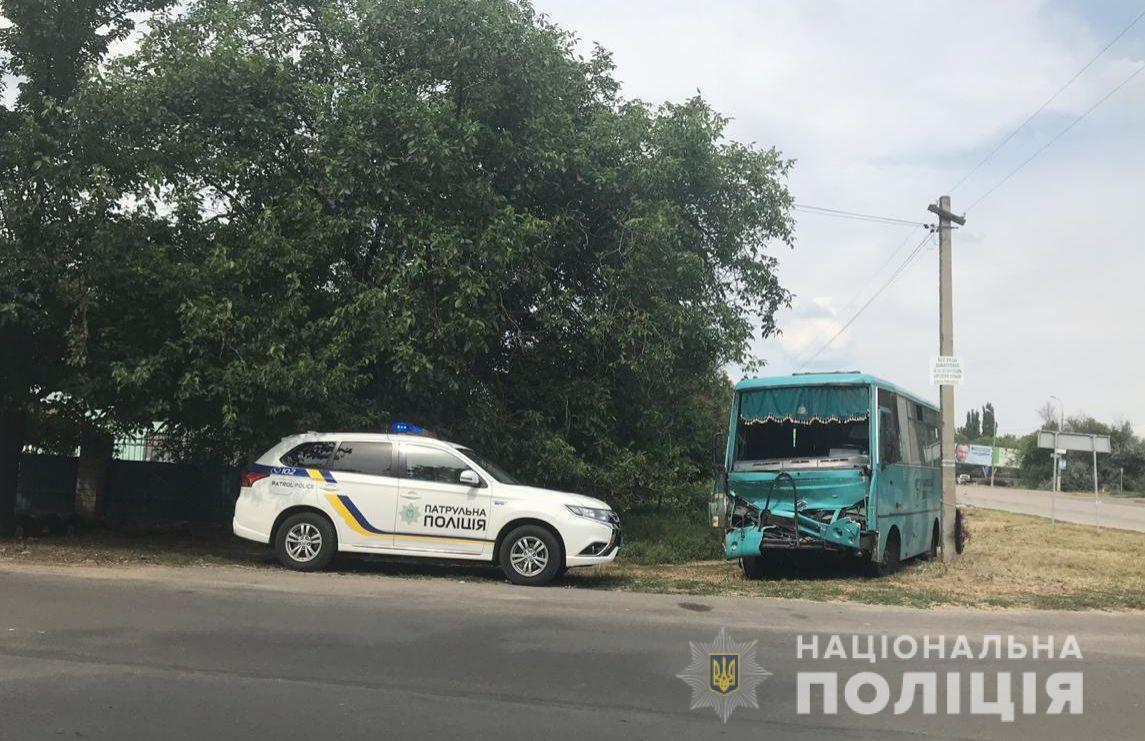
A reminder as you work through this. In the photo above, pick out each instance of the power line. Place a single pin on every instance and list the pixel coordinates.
(882, 265)
(1059, 135)
(1048, 100)
(838, 213)
(894, 276)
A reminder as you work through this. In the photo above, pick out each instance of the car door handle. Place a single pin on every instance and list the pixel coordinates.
(411, 495)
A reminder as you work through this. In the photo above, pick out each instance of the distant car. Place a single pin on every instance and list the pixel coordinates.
(963, 478)
(404, 494)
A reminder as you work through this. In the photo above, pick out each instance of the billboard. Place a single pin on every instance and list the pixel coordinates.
(1006, 458)
(986, 455)
(974, 455)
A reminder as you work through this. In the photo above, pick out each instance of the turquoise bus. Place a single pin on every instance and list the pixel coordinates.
(835, 462)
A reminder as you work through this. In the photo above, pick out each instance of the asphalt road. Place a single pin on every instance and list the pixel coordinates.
(1107, 512)
(225, 653)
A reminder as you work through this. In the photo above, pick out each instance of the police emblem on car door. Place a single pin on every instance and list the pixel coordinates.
(442, 504)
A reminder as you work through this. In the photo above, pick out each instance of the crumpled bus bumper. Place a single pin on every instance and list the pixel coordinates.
(743, 541)
(751, 541)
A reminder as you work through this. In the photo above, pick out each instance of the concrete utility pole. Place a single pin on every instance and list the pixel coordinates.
(946, 348)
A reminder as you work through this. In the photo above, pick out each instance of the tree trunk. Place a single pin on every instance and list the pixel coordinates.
(12, 421)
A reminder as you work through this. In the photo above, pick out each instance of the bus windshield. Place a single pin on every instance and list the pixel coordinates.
(803, 427)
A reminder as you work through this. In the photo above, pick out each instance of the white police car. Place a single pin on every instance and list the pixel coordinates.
(408, 495)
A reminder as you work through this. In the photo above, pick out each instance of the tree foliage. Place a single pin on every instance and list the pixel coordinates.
(333, 215)
(57, 220)
(981, 425)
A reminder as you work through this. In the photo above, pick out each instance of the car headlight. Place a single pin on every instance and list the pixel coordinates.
(606, 516)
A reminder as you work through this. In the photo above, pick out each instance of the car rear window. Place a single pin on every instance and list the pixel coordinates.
(309, 455)
(373, 458)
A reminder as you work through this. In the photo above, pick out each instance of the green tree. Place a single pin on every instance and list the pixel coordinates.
(56, 216)
(981, 425)
(989, 421)
(972, 430)
(333, 216)
(471, 228)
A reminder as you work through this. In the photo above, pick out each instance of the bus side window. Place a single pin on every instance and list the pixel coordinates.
(889, 448)
(908, 432)
(932, 447)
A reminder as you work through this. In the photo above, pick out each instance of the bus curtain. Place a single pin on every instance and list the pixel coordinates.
(805, 404)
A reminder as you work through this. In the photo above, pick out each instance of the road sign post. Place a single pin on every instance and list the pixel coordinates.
(1061, 442)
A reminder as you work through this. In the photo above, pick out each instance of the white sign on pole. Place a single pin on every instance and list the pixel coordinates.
(1082, 441)
(946, 370)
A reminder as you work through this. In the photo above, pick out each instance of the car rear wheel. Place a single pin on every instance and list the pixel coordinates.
(531, 556)
(305, 542)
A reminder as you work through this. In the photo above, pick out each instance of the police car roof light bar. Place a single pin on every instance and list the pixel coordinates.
(405, 428)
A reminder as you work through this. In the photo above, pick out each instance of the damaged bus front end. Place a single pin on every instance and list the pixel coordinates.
(816, 508)
(841, 462)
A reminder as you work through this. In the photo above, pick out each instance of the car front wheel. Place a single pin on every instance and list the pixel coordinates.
(531, 556)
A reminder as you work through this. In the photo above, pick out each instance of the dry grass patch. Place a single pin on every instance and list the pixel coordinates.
(1012, 561)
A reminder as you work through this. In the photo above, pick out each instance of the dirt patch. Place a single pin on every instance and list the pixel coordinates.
(106, 548)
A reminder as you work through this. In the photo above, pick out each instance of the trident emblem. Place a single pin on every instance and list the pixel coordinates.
(724, 673)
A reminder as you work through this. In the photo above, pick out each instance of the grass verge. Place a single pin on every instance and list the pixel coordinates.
(1013, 561)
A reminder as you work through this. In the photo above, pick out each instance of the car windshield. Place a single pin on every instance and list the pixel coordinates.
(490, 467)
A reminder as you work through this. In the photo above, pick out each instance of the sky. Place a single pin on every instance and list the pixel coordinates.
(885, 106)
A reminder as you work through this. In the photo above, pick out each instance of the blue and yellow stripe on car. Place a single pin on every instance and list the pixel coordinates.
(313, 473)
(357, 522)
(352, 515)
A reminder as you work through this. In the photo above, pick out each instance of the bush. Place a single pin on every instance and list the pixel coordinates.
(670, 535)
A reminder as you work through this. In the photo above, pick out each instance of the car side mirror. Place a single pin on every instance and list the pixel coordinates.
(469, 477)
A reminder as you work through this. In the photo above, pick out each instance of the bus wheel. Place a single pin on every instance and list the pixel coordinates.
(752, 567)
(935, 542)
(890, 562)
